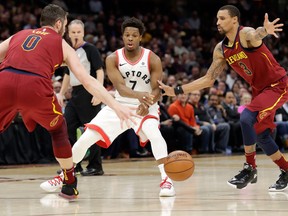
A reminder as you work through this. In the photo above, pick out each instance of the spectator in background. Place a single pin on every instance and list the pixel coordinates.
(220, 132)
(218, 114)
(281, 121)
(231, 77)
(56, 86)
(95, 6)
(192, 136)
(233, 118)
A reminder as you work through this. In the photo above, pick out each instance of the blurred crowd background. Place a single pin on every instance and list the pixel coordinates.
(183, 33)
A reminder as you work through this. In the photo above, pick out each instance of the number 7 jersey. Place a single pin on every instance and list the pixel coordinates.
(135, 74)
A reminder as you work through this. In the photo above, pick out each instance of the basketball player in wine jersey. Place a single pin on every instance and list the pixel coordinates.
(134, 72)
(244, 51)
(28, 61)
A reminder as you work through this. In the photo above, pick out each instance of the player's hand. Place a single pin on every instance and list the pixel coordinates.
(142, 110)
(60, 99)
(95, 101)
(168, 90)
(126, 115)
(146, 98)
(272, 27)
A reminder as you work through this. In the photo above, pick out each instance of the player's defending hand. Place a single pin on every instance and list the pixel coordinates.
(272, 27)
(126, 115)
(95, 101)
(168, 90)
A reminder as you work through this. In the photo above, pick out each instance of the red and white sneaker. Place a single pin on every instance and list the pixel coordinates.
(167, 188)
(53, 184)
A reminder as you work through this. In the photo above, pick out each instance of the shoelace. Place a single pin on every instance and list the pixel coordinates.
(165, 183)
(55, 181)
(242, 174)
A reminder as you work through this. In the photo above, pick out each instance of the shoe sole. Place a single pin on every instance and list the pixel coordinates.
(242, 186)
(70, 198)
(167, 195)
(277, 190)
(92, 174)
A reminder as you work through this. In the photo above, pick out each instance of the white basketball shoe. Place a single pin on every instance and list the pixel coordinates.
(167, 188)
(53, 184)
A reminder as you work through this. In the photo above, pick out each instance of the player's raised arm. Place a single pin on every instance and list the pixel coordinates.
(255, 36)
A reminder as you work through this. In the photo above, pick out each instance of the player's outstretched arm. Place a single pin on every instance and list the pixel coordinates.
(217, 66)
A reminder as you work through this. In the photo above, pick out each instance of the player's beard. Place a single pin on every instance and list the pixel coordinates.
(221, 31)
(62, 30)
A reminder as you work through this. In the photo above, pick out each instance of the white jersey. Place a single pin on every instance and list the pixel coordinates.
(136, 74)
(137, 77)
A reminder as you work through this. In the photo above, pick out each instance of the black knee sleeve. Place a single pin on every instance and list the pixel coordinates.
(266, 142)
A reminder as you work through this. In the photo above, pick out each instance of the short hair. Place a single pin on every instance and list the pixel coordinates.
(76, 21)
(232, 10)
(51, 14)
(133, 22)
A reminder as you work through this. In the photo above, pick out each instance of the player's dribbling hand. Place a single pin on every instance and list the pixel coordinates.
(272, 27)
(146, 99)
(168, 90)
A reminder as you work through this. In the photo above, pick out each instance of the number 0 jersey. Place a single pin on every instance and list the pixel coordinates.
(35, 43)
(257, 66)
(136, 74)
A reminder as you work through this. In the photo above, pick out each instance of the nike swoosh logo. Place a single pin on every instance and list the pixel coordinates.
(274, 84)
(122, 64)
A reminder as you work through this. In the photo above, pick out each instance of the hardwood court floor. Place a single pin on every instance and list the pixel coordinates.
(131, 187)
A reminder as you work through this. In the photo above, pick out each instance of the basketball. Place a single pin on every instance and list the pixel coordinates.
(179, 165)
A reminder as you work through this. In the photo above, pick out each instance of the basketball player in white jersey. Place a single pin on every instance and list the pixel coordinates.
(134, 72)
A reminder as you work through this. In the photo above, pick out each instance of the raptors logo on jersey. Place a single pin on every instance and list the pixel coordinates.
(136, 74)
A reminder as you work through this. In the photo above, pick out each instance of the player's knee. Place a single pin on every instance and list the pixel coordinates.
(60, 142)
(248, 118)
(266, 142)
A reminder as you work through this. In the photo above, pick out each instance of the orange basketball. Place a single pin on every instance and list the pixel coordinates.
(179, 165)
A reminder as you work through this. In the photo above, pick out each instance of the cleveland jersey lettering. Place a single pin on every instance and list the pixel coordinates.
(257, 66)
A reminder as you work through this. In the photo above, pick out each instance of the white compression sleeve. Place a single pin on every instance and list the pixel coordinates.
(87, 139)
(150, 128)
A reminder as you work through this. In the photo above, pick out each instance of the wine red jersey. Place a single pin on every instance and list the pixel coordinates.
(35, 43)
(257, 66)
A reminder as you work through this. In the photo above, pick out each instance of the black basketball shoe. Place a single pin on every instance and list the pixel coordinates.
(281, 184)
(245, 176)
(69, 191)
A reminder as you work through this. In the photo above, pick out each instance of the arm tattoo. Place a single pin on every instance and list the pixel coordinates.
(260, 33)
(218, 64)
(216, 68)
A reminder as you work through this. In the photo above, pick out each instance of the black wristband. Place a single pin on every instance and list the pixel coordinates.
(178, 90)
